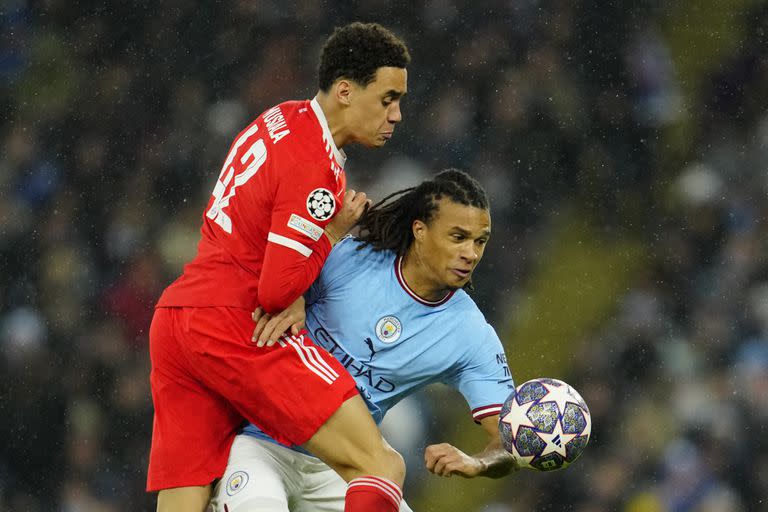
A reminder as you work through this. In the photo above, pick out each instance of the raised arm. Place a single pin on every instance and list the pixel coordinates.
(291, 265)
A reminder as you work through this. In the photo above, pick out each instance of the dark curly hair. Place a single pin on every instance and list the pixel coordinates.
(357, 50)
(387, 224)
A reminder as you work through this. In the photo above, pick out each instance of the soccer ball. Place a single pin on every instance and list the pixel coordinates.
(545, 424)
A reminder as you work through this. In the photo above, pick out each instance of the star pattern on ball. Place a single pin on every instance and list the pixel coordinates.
(516, 418)
(556, 441)
(524, 426)
(561, 399)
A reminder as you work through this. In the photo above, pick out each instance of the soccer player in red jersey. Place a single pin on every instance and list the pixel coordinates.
(277, 208)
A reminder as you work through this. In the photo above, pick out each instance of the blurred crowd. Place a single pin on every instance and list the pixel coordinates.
(114, 119)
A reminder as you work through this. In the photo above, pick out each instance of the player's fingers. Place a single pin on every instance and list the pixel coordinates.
(281, 324)
(359, 209)
(352, 200)
(450, 469)
(296, 327)
(349, 206)
(257, 314)
(260, 326)
(359, 199)
(260, 323)
(281, 328)
(268, 334)
(438, 449)
(429, 460)
(432, 455)
(274, 328)
(452, 466)
(440, 466)
(442, 455)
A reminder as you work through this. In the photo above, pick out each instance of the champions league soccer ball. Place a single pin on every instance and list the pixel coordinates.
(545, 424)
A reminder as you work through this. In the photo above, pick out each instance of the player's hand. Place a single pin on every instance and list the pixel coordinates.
(355, 204)
(446, 460)
(269, 328)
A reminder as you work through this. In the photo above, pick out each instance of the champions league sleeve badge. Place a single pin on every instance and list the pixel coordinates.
(388, 329)
(321, 204)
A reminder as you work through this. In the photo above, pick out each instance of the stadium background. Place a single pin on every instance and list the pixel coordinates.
(625, 150)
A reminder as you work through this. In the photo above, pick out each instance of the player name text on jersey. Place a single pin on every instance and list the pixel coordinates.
(276, 125)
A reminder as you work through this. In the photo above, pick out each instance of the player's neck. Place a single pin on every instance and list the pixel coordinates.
(335, 118)
(417, 277)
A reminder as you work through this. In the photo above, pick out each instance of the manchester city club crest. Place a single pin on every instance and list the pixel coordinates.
(388, 329)
(236, 482)
(321, 204)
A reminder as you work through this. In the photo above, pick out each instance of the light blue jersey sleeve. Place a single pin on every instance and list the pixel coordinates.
(334, 269)
(483, 376)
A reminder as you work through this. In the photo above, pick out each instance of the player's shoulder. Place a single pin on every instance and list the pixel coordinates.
(353, 251)
(463, 301)
(474, 336)
(465, 308)
(293, 111)
(296, 136)
(352, 256)
(289, 127)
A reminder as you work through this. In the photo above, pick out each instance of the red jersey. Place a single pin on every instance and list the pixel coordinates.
(262, 237)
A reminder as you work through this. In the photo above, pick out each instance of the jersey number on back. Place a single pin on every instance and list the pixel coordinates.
(226, 186)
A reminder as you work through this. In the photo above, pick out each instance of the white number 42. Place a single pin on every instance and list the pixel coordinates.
(226, 187)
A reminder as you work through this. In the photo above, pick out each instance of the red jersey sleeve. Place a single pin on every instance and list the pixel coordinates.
(305, 202)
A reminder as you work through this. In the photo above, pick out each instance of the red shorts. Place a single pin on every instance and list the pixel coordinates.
(208, 377)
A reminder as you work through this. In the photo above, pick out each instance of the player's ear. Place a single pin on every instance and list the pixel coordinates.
(419, 229)
(342, 90)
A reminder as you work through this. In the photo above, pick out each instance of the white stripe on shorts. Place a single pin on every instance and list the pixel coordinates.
(312, 352)
(313, 366)
(314, 357)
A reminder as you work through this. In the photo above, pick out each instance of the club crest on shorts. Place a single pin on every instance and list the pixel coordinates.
(321, 204)
(236, 482)
(388, 329)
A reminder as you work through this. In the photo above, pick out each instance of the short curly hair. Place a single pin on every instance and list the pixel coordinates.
(356, 51)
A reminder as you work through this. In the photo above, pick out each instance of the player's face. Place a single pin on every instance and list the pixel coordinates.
(375, 109)
(453, 242)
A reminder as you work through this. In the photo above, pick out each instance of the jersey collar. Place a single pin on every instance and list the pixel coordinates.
(341, 157)
(404, 285)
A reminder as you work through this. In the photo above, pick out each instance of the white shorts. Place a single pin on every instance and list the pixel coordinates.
(265, 477)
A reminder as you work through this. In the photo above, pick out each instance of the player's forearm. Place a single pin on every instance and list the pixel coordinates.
(286, 275)
(495, 461)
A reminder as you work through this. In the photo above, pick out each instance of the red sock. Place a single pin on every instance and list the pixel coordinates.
(372, 494)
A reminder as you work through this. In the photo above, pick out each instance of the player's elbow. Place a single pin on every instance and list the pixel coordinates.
(276, 298)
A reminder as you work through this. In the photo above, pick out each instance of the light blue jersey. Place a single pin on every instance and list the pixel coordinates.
(393, 342)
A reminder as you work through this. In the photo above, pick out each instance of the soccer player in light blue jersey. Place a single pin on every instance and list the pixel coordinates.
(390, 305)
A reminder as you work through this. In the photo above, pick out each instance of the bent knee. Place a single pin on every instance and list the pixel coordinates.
(383, 461)
(397, 465)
